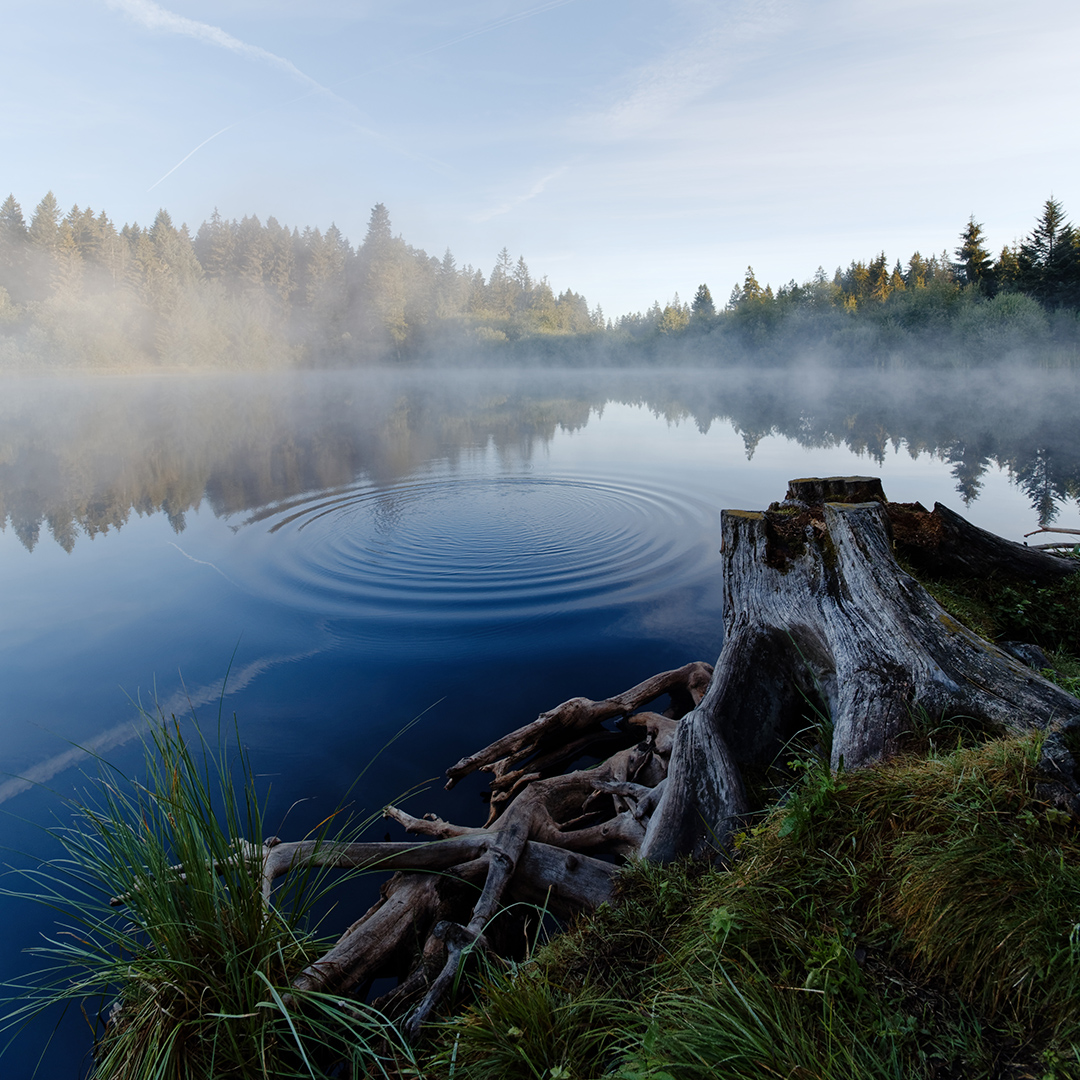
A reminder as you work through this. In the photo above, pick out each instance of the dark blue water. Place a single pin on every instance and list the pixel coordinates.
(328, 557)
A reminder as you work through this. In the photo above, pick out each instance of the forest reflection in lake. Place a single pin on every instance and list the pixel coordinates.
(362, 548)
(80, 456)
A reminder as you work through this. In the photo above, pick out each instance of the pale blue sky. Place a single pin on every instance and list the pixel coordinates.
(628, 149)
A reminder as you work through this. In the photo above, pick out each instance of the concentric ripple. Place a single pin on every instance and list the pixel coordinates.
(444, 547)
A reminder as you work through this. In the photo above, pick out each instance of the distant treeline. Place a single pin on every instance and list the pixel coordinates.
(77, 292)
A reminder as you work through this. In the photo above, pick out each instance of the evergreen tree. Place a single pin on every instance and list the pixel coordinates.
(1041, 243)
(975, 265)
(523, 283)
(13, 249)
(675, 317)
(67, 261)
(45, 224)
(215, 246)
(702, 307)
(451, 292)
(1044, 255)
(12, 223)
(896, 281)
(751, 290)
(880, 279)
(501, 284)
(917, 272)
(379, 233)
(251, 254)
(279, 268)
(858, 283)
(1007, 270)
(380, 293)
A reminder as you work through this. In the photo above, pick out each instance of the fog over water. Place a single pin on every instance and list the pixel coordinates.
(355, 549)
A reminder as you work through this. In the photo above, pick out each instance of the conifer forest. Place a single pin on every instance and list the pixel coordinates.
(78, 292)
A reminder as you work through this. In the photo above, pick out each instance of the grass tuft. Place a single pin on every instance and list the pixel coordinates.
(193, 971)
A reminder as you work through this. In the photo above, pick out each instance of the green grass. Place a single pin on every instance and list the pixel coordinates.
(920, 919)
(195, 968)
(1002, 608)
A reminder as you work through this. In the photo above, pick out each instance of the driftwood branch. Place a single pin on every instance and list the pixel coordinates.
(1053, 529)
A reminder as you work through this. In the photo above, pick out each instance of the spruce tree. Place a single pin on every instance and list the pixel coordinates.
(1044, 255)
(702, 306)
(13, 249)
(45, 224)
(975, 265)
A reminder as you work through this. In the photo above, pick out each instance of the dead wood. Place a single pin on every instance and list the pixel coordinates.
(827, 640)
(554, 728)
(1053, 529)
(820, 619)
(944, 544)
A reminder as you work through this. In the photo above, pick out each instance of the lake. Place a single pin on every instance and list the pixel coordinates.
(331, 555)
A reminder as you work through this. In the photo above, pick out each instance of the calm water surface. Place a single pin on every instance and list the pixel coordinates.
(355, 551)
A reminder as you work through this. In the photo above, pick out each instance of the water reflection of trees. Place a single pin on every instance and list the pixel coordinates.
(80, 457)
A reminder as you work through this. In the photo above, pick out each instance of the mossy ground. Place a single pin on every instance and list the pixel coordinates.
(916, 919)
(920, 919)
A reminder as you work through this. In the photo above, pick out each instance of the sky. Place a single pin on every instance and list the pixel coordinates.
(628, 149)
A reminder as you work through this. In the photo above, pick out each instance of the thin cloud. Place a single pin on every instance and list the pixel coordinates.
(725, 42)
(512, 204)
(154, 17)
(487, 28)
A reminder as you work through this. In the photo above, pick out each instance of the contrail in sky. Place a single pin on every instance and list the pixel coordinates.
(510, 204)
(191, 154)
(154, 17)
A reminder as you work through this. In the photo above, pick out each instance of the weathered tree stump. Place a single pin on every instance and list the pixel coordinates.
(822, 626)
(817, 610)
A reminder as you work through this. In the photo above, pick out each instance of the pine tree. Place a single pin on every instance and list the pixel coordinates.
(1007, 270)
(1045, 255)
(975, 265)
(12, 224)
(215, 246)
(279, 270)
(751, 290)
(1041, 243)
(523, 283)
(675, 317)
(379, 233)
(501, 284)
(880, 284)
(896, 281)
(13, 249)
(702, 306)
(45, 224)
(251, 254)
(381, 284)
(67, 261)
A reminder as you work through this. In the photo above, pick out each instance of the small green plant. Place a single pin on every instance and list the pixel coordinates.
(162, 926)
